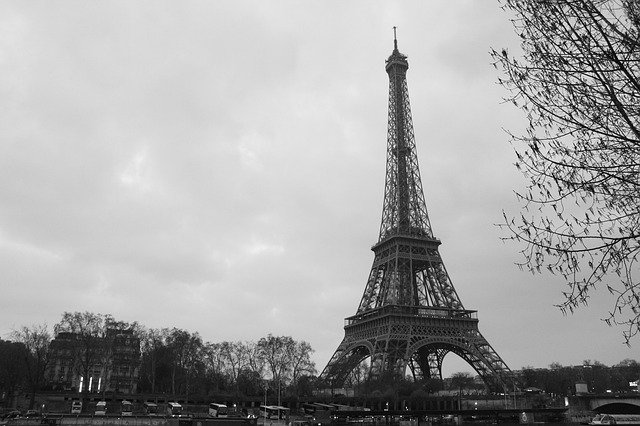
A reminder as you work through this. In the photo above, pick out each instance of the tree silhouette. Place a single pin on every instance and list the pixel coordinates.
(578, 82)
(35, 341)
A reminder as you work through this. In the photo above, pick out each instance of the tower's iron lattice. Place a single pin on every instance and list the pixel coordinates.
(410, 314)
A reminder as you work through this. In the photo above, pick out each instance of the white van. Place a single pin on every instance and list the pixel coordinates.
(174, 409)
(76, 407)
(101, 408)
(151, 408)
(218, 410)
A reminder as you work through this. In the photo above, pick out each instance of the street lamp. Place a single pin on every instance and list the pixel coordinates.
(265, 403)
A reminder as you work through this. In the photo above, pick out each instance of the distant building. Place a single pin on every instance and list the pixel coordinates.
(348, 392)
(581, 388)
(114, 362)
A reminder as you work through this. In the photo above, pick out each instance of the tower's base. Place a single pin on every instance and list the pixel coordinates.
(397, 337)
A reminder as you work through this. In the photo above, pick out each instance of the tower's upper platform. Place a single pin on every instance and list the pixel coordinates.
(397, 61)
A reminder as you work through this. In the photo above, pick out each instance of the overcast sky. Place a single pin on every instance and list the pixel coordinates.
(218, 166)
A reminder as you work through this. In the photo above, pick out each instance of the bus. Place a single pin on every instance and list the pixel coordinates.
(315, 408)
(174, 409)
(274, 411)
(317, 413)
(151, 408)
(127, 408)
(218, 410)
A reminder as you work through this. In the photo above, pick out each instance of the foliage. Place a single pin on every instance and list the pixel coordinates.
(186, 351)
(432, 385)
(578, 82)
(462, 380)
(235, 355)
(179, 362)
(599, 378)
(94, 336)
(89, 329)
(286, 359)
(358, 375)
(249, 383)
(300, 361)
(35, 344)
(12, 371)
(172, 361)
(151, 342)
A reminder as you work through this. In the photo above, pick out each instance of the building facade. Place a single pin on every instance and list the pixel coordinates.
(109, 363)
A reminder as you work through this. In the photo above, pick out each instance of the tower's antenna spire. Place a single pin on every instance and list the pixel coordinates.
(395, 41)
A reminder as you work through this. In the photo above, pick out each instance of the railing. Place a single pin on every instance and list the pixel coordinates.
(416, 311)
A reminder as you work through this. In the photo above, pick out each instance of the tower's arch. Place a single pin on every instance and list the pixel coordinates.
(609, 406)
(428, 355)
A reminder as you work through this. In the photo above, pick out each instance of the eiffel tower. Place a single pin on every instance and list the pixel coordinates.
(410, 314)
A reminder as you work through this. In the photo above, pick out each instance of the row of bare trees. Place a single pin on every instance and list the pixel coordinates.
(24, 360)
(175, 361)
(171, 361)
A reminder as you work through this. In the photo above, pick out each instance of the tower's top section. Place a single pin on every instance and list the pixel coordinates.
(397, 62)
(404, 212)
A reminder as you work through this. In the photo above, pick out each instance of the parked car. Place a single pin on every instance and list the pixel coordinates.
(32, 413)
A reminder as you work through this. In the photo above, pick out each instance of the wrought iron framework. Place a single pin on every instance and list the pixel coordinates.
(410, 315)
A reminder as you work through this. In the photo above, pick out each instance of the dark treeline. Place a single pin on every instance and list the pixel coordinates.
(555, 381)
(171, 361)
(594, 376)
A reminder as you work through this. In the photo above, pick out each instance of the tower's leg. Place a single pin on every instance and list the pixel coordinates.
(378, 359)
(435, 363)
(426, 363)
(477, 352)
(391, 350)
(419, 364)
(396, 344)
(491, 368)
(343, 361)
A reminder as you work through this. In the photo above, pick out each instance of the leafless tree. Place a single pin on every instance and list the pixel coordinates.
(578, 82)
(235, 356)
(214, 363)
(358, 375)
(152, 340)
(11, 368)
(113, 330)
(88, 330)
(186, 349)
(255, 362)
(276, 352)
(301, 363)
(35, 342)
